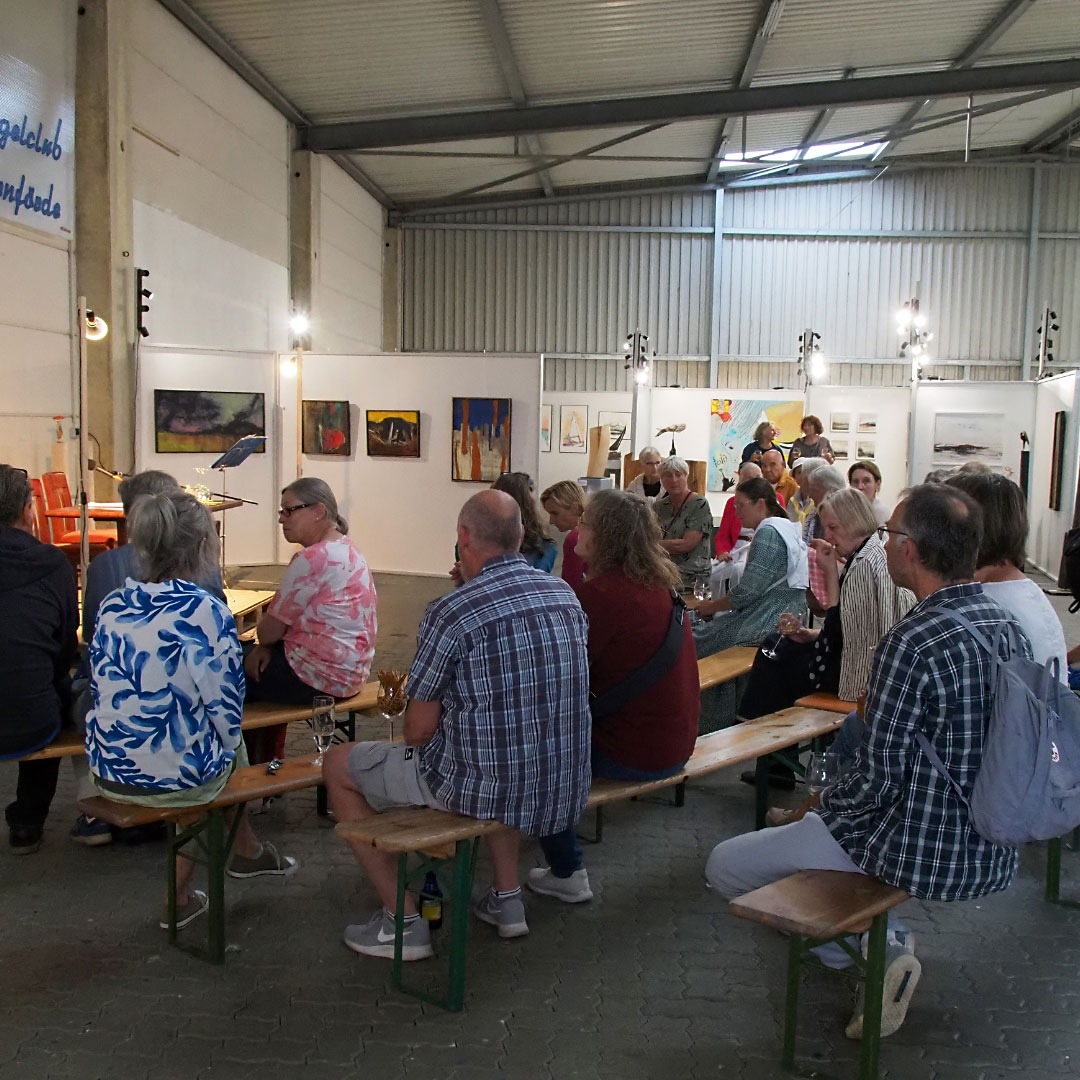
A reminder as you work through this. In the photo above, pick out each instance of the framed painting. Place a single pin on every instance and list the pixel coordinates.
(206, 421)
(619, 423)
(1057, 461)
(480, 445)
(545, 429)
(326, 428)
(393, 433)
(960, 437)
(731, 427)
(573, 429)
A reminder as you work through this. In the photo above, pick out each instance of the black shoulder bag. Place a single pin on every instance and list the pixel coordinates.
(650, 673)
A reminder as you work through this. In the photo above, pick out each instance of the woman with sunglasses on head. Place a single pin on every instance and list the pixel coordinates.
(318, 635)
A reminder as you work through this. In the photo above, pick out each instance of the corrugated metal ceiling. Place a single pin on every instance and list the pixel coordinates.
(339, 60)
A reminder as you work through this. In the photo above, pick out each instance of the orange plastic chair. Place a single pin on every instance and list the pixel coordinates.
(57, 495)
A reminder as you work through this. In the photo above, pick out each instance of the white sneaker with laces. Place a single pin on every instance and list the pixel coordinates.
(571, 890)
(376, 937)
(505, 913)
(902, 973)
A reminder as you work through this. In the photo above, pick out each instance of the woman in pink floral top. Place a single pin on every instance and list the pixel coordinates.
(318, 636)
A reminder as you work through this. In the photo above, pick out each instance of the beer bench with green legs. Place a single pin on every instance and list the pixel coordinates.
(423, 830)
(819, 906)
(206, 827)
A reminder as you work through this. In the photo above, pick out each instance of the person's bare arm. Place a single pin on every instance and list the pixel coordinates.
(422, 721)
(684, 544)
(270, 630)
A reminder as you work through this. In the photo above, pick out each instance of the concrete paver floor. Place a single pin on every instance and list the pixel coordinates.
(651, 980)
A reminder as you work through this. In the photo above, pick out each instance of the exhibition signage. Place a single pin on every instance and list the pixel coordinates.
(37, 121)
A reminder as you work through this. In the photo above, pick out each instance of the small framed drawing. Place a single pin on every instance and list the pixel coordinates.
(839, 449)
(545, 429)
(864, 449)
(573, 429)
(867, 424)
(840, 422)
(393, 432)
(619, 423)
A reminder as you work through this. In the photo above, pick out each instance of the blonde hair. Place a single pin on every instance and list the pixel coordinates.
(566, 494)
(626, 537)
(852, 509)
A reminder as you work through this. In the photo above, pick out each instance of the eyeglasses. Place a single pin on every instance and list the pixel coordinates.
(884, 530)
(288, 511)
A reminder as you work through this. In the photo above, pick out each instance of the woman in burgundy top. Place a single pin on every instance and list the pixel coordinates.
(564, 503)
(628, 597)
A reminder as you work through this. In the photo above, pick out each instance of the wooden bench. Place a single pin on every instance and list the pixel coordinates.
(420, 829)
(257, 714)
(245, 785)
(726, 665)
(816, 906)
(827, 701)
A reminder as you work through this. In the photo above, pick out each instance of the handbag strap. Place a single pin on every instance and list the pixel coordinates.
(651, 672)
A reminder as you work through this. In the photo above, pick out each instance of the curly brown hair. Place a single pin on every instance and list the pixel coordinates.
(626, 537)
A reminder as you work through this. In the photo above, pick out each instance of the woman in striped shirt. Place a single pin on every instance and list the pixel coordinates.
(863, 604)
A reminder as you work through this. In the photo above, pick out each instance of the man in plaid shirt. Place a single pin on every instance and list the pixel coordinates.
(498, 726)
(892, 814)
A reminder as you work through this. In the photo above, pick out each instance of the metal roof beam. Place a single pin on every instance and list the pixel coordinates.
(770, 18)
(1061, 131)
(247, 71)
(504, 53)
(666, 108)
(983, 41)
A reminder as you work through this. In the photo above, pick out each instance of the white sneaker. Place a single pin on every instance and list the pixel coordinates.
(902, 973)
(571, 890)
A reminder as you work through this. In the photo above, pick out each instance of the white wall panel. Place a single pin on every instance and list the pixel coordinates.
(1046, 527)
(350, 247)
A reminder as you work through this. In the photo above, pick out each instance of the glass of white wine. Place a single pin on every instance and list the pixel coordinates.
(323, 724)
(788, 623)
(820, 772)
(703, 588)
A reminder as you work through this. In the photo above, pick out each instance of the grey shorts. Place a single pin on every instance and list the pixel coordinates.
(388, 775)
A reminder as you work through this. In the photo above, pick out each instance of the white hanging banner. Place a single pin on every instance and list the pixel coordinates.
(37, 116)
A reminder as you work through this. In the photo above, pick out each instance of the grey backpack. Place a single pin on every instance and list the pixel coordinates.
(1028, 785)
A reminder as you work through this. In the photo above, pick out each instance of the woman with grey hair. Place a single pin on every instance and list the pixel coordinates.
(167, 684)
(318, 635)
(647, 482)
(685, 522)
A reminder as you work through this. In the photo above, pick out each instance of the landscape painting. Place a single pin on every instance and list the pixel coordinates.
(206, 421)
(619, 422)
(960, 437)
(326, 428)
(393, 433)
(545, 429)
(480, 448)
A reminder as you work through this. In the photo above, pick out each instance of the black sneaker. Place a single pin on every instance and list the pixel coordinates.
(24, 839)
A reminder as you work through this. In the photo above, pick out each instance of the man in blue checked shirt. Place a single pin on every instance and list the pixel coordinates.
(892, 814)
(498, 725)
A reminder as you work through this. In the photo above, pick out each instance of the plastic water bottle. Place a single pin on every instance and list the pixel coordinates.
(431, 899)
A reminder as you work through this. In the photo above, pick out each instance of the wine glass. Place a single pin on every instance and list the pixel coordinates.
(788, 623)
(391, 699)
(702, 588)
(323, 724)
(820, 772)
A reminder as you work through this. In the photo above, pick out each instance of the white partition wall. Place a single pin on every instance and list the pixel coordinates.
(1046, 527)
(402, 512)
(887, 408)
(1010, 405)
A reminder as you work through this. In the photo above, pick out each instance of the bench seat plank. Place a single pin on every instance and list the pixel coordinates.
(827, 701)
(819, 904)
(247, 784)
(411, 828)
(725, 665)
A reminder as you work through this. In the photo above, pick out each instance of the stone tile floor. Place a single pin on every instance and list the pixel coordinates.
(651, 980)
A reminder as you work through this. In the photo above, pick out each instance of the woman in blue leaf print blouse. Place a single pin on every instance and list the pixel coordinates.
(167, 684)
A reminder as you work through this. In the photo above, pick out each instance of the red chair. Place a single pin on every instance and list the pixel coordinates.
(57, 496)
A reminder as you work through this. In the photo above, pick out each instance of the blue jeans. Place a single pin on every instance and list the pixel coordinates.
(561, 849)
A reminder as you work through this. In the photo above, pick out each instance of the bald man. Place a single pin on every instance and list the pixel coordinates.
(498, 725)
(772, 468)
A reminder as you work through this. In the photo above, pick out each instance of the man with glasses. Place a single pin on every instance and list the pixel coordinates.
(892, 814)
(38, 617)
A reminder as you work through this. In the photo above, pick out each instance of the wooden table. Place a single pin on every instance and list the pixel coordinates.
(114, 511)
(247, 605)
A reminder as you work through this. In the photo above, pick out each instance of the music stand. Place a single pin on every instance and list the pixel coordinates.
(237, 454)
